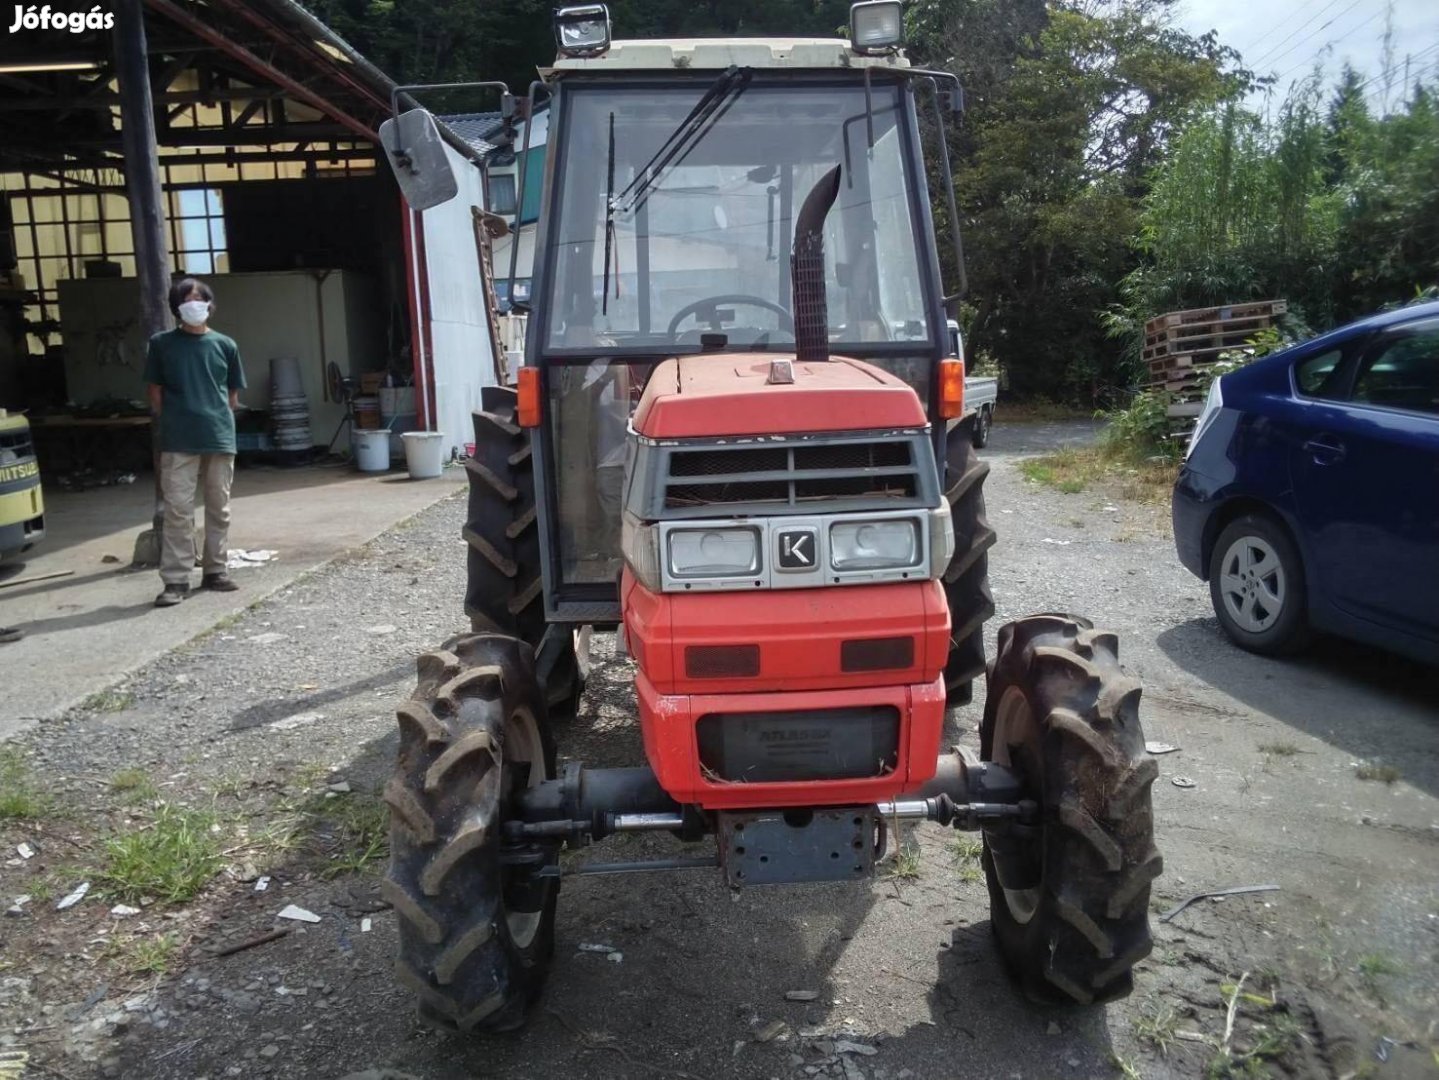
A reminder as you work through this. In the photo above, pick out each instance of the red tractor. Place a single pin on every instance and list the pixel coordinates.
(738, 442)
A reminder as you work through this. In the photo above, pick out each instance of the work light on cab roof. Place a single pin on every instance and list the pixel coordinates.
(876, 26)
(584, 30)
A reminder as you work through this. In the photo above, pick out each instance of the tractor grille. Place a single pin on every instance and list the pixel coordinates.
(16, 443)
(810, 744)
(792, 476)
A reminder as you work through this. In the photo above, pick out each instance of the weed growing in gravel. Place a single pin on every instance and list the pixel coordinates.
(354, 831)
(134, 785)
(1371, 771)
(115, 699)
(904, 864)
(1058, 471)
(1127, 1068)
(350, 831)
(1072, 470)
(1374, 966)
(1156, 1026)
(170, 859)
(1278, 749)
(143, 955)
(20, 800)
(966, 851)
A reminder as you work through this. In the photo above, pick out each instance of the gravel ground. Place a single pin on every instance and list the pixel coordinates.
(255, 721)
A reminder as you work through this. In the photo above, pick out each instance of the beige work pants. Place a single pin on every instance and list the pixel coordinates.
(180, 476)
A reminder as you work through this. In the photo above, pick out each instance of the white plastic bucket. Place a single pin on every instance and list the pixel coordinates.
(372, 450)
(285, 380)
(424, 453)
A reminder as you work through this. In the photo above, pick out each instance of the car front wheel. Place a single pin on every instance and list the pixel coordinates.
(1256, 583)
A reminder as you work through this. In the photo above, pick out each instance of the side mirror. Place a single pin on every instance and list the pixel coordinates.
(417, 155)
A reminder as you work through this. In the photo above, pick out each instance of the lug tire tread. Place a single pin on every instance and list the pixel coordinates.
(1090, 925)
(504, 591)
(966, 579)
(445, 878)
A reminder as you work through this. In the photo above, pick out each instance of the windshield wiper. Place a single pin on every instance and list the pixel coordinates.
(684, 138)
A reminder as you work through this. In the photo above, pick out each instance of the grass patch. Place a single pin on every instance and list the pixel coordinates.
(143, 954)
(134, 785)
(349, 832)
(904, 864)
(1041, 412)
(114, 699)
(966, 851)
(352, 830)
(1076, 469)
(1278, 749)
(1386, 774)
(20, 799)
(171, 859)
(1156, 1026)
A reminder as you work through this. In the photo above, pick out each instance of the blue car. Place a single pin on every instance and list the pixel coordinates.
(1309, 497)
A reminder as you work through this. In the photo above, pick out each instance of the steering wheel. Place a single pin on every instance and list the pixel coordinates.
(786, 320)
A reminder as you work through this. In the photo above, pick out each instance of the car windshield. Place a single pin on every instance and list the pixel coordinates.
(700, 242)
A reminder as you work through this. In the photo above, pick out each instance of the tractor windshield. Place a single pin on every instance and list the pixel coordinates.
(656, 241)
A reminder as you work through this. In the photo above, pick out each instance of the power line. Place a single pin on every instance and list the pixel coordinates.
(1410, 59)
(1317, 31)
(1315, 55)
(1271, 50)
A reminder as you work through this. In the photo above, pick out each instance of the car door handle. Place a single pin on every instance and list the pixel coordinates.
(1326, 450)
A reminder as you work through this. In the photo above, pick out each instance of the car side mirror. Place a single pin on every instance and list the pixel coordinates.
(416, 153)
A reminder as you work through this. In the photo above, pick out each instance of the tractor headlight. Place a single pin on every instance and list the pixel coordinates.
(718, 552)
(640, 544)
(875, 26)
(583, 31)
(887, 544)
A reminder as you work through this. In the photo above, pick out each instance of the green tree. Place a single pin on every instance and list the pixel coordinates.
(1066, 122)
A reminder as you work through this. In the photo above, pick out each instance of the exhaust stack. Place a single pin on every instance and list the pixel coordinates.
(806, 267)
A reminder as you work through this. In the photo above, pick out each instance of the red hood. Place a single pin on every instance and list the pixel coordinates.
(727, 394)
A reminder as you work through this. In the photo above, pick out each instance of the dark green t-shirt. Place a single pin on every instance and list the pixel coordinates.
(197, 373)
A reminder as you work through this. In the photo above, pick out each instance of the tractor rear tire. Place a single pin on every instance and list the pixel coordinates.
(966, 580)
(476, 934)
(504, 591)
(1069, 896)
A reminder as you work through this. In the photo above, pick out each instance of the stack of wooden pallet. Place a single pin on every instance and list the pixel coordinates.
(1180, 345)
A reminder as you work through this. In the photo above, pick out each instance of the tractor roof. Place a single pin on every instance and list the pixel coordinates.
(719, 394)
(716, 54)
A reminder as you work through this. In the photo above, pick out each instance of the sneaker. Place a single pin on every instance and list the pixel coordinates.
(172, 595)
(218, 583)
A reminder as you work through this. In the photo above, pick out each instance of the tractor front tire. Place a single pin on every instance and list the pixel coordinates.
(476, 934)
(1069, 894)
(504, 591)
(966, 579)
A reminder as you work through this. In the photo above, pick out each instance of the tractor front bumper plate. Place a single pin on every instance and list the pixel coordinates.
(774, 847)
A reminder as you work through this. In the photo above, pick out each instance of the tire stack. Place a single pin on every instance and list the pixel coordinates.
(289, 409)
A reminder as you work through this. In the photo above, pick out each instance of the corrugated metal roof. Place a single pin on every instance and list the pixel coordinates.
(477, 129)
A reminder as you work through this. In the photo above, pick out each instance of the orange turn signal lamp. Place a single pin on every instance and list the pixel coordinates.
(951, 388)
(528, 397)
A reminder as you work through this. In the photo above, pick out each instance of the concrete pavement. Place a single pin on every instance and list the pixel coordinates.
(86, 631)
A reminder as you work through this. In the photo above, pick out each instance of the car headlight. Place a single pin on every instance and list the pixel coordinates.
(641, 546)
(720, 552)
(889, 544)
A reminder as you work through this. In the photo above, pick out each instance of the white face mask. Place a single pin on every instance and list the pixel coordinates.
(195, 312)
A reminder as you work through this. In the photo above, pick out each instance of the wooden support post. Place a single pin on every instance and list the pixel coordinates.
(142, 185)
